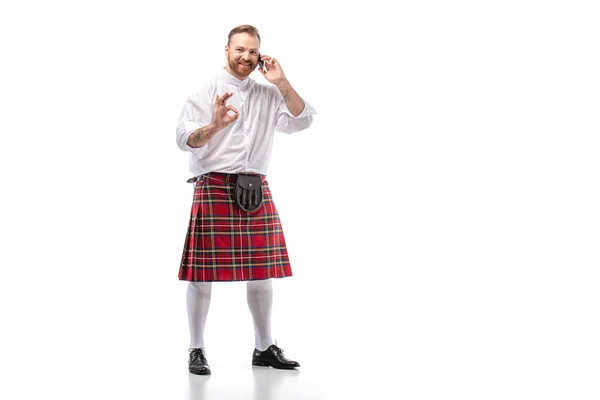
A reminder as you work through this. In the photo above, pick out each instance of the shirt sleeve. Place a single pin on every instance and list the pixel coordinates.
(196, 113)
(286, 122)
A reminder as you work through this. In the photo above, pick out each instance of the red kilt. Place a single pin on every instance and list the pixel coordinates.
(225, 243)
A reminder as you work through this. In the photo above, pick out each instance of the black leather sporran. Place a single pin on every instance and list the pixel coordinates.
(248, 192)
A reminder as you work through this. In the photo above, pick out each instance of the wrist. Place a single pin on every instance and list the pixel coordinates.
(210, 129)
(282, 84)
(208, 132)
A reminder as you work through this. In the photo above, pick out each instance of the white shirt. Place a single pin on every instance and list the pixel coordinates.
(246, 144)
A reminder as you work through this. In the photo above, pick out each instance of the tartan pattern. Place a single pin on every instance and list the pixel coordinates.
(225, 243)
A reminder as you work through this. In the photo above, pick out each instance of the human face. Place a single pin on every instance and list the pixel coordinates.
(242, 55)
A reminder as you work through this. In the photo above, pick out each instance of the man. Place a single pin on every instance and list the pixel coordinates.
(234, 232)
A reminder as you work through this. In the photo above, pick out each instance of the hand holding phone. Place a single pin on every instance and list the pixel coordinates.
(271, 69)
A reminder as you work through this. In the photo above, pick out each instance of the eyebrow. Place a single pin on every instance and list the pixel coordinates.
(242, 47)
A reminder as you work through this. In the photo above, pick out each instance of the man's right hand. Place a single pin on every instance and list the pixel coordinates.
(221, 119)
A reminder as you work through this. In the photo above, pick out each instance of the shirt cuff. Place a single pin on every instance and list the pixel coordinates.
(308, 110)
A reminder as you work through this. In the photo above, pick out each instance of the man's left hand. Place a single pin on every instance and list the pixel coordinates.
(272, 70)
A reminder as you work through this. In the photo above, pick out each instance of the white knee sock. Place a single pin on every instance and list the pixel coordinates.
(260, 302)
(198, 302)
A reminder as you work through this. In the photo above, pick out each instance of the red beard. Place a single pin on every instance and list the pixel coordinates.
(242, 70)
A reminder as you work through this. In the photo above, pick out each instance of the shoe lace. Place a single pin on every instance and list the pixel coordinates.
(279, 349)
(197, 353)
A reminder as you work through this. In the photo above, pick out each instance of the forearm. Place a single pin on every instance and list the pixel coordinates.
(201, 136)
(292, 99)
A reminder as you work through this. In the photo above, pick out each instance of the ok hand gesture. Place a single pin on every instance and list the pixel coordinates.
(221, 118)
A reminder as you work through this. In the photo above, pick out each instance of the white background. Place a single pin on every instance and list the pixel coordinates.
(450, 244)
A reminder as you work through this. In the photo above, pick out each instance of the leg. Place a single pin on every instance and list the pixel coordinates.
(260, 303)
(198, 302)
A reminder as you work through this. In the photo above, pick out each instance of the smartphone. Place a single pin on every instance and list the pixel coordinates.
(260, 62)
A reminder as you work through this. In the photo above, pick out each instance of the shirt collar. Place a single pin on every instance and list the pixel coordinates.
(232, 80)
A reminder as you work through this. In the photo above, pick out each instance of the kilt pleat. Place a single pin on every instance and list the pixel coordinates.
(226, 243)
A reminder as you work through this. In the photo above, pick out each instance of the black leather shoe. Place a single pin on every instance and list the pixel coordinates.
(198, 363)
(272, 357)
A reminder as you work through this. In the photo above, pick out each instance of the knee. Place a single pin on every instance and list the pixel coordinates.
(262, 285)
(200, 287)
